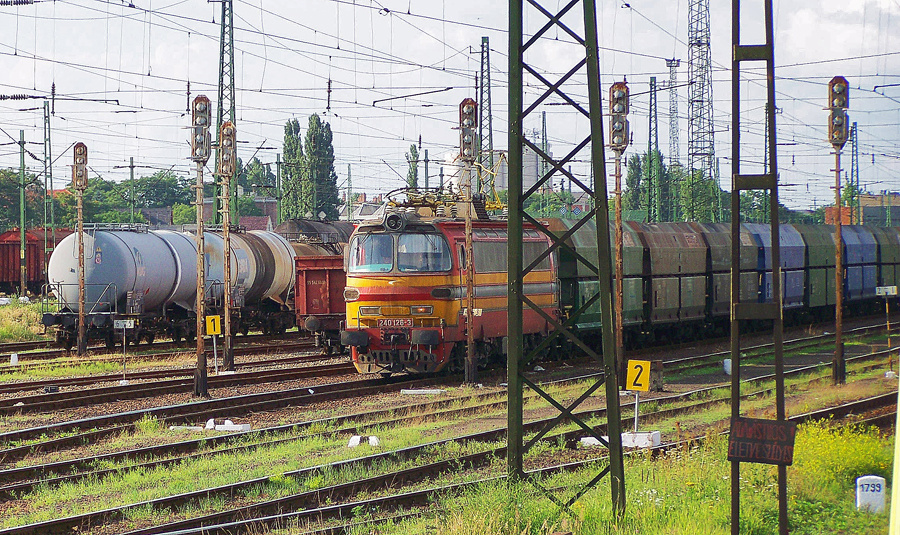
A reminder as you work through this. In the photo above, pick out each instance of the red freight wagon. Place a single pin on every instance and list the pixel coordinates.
(34, 258)
(319, 298)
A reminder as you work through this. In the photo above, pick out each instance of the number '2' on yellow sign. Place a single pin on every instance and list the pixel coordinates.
(638, 377)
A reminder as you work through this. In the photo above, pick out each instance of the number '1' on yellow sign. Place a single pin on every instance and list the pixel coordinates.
(213, 325)
(638, 377)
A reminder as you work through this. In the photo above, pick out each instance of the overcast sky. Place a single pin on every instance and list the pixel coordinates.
(121, 71)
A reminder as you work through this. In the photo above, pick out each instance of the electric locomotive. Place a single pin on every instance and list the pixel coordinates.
(406, 292)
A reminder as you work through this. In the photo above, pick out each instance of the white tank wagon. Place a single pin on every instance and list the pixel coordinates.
(151, 278)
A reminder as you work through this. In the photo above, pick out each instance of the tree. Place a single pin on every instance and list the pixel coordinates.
(183, 214)
(321, 196)
(247, 206)
(9, 198)
(292, 179)
(412, 175)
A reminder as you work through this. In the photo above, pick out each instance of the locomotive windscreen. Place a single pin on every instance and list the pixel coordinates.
(415, 252)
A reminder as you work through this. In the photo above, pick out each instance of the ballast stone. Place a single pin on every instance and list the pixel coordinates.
(421, 391)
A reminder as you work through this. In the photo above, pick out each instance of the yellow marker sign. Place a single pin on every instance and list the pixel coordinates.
(638, 377)
(213, 325)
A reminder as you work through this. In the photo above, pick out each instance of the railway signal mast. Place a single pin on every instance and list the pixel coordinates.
(618, 142)
(200, 147)
(838, 133)
(468, 151)
(80, 180)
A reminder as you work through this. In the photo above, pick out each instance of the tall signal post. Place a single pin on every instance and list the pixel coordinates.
(618, 141)
(80, 181)
(200, 148)
(226, 92)
(468, 149)
(838, 133)
(227, 166)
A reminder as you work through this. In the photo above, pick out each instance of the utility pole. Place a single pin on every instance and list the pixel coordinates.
(23, 275)
(80, 180)
(485, 118)
(227, 165)
(278, 216)
(350, 194)
(653, 159)
(200, 145)
(838, 132)
(854, 174)
(523, 73)
(131, 183)
(467, 153)
(426, 168)
(673, 65)
(48, 192)
(618, 141)
(226, 90)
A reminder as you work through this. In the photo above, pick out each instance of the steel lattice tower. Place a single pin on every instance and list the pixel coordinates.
(674, 157)
(485, 122)
(226, 94)
(653, 158)
(854, 173)
(701, 148)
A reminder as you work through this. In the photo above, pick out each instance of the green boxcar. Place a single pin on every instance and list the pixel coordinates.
(888, 254)
(578, 283)
(820, 259)
(718, 238)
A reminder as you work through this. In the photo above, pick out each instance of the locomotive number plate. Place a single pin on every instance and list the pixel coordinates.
(394, 322)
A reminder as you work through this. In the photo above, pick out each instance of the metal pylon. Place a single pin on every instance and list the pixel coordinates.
(225, 103)
(653, 159)
(768, 181)
(485, 118)
(586, 70)
(701, 147)
(854, 174)
(674, 157)
(49, 210)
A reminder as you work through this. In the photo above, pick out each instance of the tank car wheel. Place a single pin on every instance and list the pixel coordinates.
(176, 335)
(385, 375)
(110, 340)
(150, 338)
(245, 329)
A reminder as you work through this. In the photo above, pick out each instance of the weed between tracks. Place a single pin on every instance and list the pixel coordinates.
(21, 323)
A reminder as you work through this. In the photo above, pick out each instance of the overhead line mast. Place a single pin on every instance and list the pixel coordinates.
(225, 103)
(701, 146)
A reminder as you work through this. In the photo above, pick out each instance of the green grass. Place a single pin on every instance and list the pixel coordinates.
(684, 492)
(21, 323)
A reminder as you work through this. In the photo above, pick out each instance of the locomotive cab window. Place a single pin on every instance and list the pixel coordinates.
(423, 253)
(372, 253)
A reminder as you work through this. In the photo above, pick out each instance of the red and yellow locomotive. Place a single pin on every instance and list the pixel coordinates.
(406, 292)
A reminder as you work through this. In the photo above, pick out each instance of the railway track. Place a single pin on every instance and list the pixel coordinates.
(12, 388)
(270, 514)
(135, 351)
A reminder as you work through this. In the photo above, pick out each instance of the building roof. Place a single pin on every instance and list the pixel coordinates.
(256, 222)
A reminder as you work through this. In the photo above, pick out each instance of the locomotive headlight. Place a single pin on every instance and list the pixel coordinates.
(369, 311)
(351, 294)
(421, 310)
